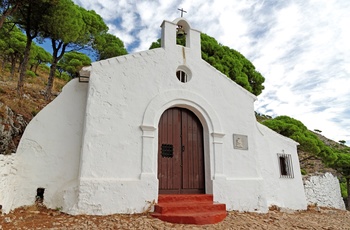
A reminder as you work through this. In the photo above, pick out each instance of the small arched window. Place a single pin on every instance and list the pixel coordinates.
(182, 76)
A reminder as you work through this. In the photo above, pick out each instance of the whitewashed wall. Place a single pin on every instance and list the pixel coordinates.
(283, 192)
(323, 190)
(8, 171)
(49, 152)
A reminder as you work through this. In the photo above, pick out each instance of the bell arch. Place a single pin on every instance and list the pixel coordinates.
(212, 132)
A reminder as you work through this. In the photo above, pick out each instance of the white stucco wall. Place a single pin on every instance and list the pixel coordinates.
(282, 192)
(324, 190)
(8, 171)
(49, 152)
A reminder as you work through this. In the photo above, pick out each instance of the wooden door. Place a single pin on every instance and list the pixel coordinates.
(180, 153)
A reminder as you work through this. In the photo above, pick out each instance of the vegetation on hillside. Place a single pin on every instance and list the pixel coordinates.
(72, 62)
(67, 26)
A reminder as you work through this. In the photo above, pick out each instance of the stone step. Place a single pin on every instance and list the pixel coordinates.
(184, 207)
(166, 198)
(189, 209)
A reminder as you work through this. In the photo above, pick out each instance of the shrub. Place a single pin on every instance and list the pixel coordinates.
(30, 73)
(303, 171)
(344, 192)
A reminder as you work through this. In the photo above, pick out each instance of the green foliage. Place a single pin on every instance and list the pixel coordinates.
(297, 131)
(12, 46)
(342, 163)
(156, 44)
(30, 73)
(233, 64)
(93, 26)
(8, 8)
(303, 171)
(72, 62)
(70, 25)
(107, 46)
(228, 61)
(38, 55)
(343, 189)
(64, 76)
(63, 23)
(342, 142)
(44, 67)
(12, 42)
(30, 18)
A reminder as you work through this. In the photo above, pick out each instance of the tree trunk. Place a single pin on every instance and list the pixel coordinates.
(36, 69)
(49, 85)
(53, 67)
(24, 66)
(13, 67)
(7, 13)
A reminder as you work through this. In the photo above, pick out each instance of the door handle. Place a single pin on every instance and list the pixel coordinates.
(183, 148)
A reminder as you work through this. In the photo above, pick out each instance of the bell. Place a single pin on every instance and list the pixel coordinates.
(180, 32)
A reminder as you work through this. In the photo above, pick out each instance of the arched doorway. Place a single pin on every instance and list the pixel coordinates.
(180, 153)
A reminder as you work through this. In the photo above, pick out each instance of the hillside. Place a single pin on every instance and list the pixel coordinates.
(15, 111)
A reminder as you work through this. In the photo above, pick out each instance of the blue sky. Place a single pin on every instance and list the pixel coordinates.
(301, 47)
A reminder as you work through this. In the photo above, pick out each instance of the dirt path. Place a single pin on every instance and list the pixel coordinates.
(42, 218)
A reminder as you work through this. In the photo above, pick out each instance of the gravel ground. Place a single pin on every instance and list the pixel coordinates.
(34, 217)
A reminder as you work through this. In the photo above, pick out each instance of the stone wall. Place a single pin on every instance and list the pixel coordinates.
(323, 190)
(12, 126)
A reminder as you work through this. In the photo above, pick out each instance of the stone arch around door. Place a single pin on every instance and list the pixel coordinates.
(212, 133)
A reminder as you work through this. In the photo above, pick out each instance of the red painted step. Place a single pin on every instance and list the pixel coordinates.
(189, 209)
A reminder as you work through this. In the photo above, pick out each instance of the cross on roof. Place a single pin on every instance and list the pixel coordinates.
(182, 11)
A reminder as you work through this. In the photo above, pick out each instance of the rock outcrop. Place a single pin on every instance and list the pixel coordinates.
(12, 126)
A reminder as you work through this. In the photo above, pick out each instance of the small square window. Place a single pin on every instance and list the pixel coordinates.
(286, 166)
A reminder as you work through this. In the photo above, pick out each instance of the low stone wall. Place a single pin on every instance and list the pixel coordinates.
(8, 171)
(323, 190)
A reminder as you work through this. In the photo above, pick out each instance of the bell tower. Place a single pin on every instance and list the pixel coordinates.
(180, 27)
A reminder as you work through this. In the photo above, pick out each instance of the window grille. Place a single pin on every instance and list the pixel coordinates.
(286, 166)
(182, 76)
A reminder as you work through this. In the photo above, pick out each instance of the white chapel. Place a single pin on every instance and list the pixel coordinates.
(160, 121)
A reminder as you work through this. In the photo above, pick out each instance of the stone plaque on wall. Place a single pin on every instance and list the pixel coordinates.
(240, 141)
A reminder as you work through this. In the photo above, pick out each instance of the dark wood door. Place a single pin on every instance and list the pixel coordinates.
(180, 152)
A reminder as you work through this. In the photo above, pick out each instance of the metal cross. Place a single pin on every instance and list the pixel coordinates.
(182, 11)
